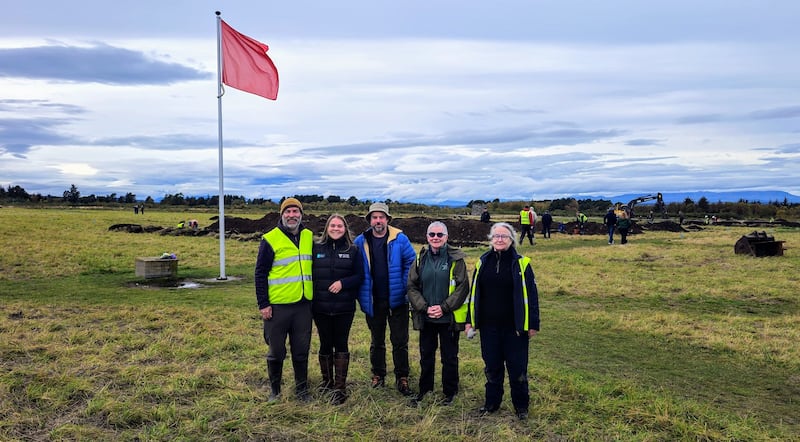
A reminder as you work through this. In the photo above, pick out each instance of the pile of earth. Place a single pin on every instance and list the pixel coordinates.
(463, 232)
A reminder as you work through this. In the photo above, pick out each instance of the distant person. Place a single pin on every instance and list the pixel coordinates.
(284, 292)
(135, 209)
(485, 217)
(623, 224)
(526, 223)
(387, 255)
(438, 286)
(581, 219)
(337, 272)
(610, 221)
(504, 308)
(680, 217)
(547, 221)
(141, 209)
(651, 217)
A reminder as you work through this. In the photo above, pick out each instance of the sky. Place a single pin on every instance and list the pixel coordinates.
(415, 101)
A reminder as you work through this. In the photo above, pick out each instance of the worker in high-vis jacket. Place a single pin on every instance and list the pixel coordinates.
(504, 308)
(438, 286)
(284, 291)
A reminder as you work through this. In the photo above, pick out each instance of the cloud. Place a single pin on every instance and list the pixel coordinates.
(97, 63)
(776, 113)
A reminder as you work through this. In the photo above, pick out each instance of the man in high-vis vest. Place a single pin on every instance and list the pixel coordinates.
(284, 292)
(527, 221)
(437, 290)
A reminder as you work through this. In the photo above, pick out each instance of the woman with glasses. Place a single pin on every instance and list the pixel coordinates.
(504, 306)
(438, 286)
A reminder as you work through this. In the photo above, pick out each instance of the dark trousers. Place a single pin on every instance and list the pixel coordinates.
(334, 332)
(527, 230)
(611, 229)
(397, 318)
(294, 321)
(432, 336)
(546, 230)
(502, 349)
(623, 232)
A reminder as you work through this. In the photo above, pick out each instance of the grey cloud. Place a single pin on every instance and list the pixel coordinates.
(99, 63)
(18, 135)
(165, 142)
(497, 138)
(776, 113)
(699, 119)
(643, 142)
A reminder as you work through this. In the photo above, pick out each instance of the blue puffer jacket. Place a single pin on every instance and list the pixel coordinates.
(401, 258)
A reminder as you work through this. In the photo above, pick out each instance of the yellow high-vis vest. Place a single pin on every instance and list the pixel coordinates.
(289, 278)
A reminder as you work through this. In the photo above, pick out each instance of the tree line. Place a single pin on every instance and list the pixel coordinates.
(741, 209)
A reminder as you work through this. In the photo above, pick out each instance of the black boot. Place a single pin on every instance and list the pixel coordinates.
(341, 362)
(301, 380)
(275, 372)
(326, 367)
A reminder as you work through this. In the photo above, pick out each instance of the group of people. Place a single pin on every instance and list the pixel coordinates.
(299, 280)
(527, 222)
(614, 222)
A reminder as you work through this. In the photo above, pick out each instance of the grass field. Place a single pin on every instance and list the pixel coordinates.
(671, 337)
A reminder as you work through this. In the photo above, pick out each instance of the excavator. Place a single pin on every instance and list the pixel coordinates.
(659, 206)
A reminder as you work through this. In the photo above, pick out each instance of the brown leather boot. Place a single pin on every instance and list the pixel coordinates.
(326, 367)
(341, 363)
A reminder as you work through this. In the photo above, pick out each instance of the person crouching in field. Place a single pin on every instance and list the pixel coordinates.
(504, 307)
(337, 273)
(438, 285)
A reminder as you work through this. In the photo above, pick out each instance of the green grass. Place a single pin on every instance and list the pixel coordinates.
(671, 337)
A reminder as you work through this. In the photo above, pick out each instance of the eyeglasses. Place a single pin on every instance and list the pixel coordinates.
(501, 236)
(436, 234)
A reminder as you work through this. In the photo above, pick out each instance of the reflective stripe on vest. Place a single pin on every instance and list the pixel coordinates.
(523, 264)
(289, 278)
(460, 314)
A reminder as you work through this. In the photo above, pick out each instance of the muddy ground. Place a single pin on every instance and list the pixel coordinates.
(463, 232)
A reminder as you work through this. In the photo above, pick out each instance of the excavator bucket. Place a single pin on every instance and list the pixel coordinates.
(758, 244)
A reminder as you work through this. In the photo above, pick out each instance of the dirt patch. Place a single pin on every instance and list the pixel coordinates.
(463, 232)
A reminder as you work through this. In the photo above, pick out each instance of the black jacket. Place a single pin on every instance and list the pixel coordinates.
(332, 262)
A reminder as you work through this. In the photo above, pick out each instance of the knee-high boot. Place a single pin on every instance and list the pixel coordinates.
(341, 363)
(275, 372)
(326, 367)
(301, 380)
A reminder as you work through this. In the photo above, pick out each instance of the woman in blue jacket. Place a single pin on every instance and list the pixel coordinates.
(504, 307)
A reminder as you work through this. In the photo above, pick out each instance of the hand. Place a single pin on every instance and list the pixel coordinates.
(531, 333)
(335, 287)
(435, 311)
(469, 331)
(266, 313)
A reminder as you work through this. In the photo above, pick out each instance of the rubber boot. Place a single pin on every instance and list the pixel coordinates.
(326, 367)
(275, 372)
(341, 363)
(301, 380)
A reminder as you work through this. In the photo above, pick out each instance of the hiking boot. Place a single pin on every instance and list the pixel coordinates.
(521, 414)
(448, 399)
(403, 388)
(377, 381)
(483, 411)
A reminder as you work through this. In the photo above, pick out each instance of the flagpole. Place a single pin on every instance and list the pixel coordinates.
(221, 180)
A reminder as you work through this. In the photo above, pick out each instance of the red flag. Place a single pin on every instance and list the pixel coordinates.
(246, 65)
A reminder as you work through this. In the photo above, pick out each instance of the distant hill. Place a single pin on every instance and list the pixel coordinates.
(765, 196)
(762, 196)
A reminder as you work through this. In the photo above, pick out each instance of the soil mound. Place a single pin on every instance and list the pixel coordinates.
(463, 232)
